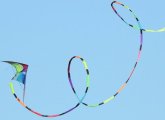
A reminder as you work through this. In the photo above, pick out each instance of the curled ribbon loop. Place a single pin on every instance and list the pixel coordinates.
(134, 15)
(87, 78)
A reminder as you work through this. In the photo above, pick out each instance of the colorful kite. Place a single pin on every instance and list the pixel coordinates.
(21, 69)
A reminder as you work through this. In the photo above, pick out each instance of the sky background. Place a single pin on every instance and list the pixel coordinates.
(45, 34)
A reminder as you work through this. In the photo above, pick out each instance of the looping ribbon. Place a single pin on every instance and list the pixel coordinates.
(81, 99)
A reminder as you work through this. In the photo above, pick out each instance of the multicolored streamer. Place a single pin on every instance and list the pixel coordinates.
(138, 27)
(81, 99)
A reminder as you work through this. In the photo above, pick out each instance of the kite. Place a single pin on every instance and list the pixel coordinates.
(21, 69)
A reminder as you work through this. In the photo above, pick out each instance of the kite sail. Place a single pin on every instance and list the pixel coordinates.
(20, 76)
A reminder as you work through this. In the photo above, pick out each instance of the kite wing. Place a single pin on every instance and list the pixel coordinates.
(21, 72)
